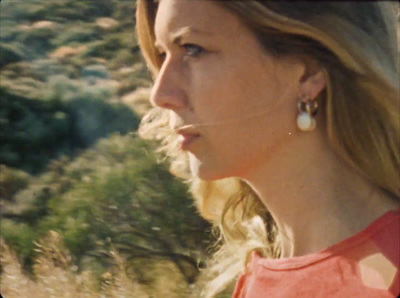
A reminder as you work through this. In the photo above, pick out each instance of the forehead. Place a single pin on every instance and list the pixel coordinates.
(200, 15)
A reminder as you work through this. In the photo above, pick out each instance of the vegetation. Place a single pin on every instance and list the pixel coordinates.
(56, 275)
(86, 208)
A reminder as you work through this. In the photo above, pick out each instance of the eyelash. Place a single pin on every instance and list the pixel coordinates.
(188, 47)
(199, 49)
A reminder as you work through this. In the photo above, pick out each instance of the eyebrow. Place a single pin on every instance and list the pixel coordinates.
(176, 36)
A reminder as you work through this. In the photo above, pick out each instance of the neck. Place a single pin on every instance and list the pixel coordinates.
(315, 198)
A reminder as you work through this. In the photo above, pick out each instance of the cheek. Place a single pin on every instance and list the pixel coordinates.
(210, 91)
(255, 117)
(237, 148)
(223, 90)
(218, 83)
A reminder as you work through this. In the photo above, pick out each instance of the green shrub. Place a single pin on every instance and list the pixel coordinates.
(92, 119)
(110, 44)
(9, 54)
(12, 181)
(116, 190)
(132, 200)
(35, 43)
(74, 116)
(82, 10)
(80, 33)
(20, 237)
(43, 69)
(60, 87)
(98, 71)
(58, 11)
(122, 58)
(28, 129)
(124, 11)
(8, 29)
(29, 10)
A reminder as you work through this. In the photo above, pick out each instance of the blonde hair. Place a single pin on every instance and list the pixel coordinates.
(356, 44)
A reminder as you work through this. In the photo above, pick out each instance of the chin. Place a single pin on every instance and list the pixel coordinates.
(206, 171)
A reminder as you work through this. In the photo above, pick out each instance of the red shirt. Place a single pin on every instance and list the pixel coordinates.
(350, 268)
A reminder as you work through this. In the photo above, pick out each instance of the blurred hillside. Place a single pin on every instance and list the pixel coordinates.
(65, 66)
(73, 88)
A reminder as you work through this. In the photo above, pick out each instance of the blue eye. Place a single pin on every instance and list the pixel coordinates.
(193, 50)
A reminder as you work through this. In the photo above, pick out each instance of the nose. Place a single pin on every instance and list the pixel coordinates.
(167, 91)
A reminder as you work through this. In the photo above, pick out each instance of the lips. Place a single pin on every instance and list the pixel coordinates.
(187, 137)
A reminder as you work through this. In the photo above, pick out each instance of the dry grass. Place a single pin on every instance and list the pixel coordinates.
(55, 276)
(67, 51)
(138, 100)
(106, 23)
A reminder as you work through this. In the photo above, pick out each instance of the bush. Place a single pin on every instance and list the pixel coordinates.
(58, 11)
(21, 238)
(42, 69)
(28, 129)
(9, 54)
(124, 11)
(117, 191)
(92, 119)
(74, 114)
(96, 71)
(56, 274)
(22, 11)
(79, 33)
(110, 44)
(122, 58)
(8, 30)
(36, 42)
(12, 181)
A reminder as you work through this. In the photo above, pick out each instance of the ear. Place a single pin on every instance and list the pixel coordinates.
(312, 83)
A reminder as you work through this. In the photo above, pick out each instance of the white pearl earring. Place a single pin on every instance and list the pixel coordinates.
(307, 110)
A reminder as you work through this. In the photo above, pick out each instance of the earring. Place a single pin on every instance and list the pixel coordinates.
(307, 111)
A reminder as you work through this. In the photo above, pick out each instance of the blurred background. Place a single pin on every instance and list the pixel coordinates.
(86, 209)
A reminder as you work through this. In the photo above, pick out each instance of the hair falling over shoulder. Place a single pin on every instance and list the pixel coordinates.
(357, 46)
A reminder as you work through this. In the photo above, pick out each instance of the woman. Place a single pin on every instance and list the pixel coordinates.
(284, 118)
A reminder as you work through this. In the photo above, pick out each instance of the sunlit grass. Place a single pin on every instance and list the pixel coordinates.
(55, 275)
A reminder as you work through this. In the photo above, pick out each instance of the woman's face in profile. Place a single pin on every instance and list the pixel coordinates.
(238, 104)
